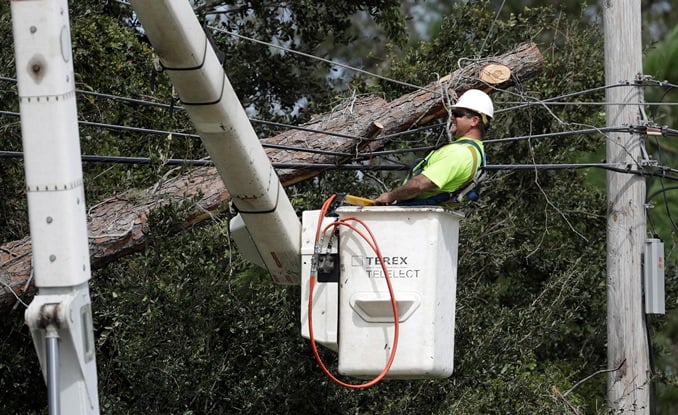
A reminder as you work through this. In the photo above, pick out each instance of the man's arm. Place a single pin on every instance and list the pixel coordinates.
(413, 188)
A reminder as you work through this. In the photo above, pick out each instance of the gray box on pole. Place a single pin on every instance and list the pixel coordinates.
(653, 277)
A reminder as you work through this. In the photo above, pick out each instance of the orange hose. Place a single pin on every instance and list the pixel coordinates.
(396, 329)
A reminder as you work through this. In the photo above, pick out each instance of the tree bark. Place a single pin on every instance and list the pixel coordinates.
(117, 225)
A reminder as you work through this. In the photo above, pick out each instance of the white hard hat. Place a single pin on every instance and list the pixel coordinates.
(478, 101)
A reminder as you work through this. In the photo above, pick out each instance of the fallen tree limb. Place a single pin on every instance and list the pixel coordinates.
(117, 225)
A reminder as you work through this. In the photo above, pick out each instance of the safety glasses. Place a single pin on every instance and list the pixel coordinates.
(459, 114)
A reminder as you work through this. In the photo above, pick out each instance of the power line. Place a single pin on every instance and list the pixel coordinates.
(519, 104)
(356, 157)
(137, 129)
(344, 154)
(312, 130)
(653, 82)
(582, 92)
(548, 101)
(307, 55)
(580, 103)
(666, 201)
(562, 166)
(331, 166)
(646, 79)
(196, 136)
(664, 130)
(496, 16)
(177, 107)
(113, 97)
(559, 134)
(265, 145)
(660, 191)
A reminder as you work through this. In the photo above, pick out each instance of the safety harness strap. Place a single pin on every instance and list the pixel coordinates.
(475, 160)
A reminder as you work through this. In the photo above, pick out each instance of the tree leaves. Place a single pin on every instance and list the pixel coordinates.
(187, 327)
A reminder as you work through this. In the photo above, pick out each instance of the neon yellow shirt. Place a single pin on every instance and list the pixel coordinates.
(450, 166)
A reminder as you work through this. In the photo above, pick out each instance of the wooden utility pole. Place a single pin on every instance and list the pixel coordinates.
(629, 385)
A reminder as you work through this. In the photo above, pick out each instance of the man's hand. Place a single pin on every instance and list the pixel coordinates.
(413, 188)
(384, 199)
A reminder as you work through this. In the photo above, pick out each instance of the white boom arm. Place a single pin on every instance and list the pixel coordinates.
(60, 316)
(204, 90)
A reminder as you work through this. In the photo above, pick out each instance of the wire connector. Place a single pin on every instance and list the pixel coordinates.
(646, 128)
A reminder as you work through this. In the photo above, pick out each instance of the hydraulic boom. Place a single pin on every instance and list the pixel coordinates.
(215, 110)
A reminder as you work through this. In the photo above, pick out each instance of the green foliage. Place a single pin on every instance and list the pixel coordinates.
(187, 327)
(108, 57)
(269, 81)
(13, 216)
(20, 378)
(661, 61)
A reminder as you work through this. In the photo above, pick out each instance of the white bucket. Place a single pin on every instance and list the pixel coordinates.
(419, 247)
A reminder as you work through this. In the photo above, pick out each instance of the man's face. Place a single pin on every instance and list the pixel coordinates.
(463, 122)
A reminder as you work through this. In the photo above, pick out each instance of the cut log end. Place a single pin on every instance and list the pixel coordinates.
(374, 129)
(495, 74)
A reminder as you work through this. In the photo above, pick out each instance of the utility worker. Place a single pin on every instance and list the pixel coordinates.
(452, 167)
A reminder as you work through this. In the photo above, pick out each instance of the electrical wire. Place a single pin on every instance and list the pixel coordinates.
(142, 160)
(561, 134)
(339, 154)
(668, 211)
(118, 127)
(178, 107)
(327, 152)
(255, 121)
(603, 166)
(360, 167)
(141, 130)
(580, 103)
(307, 55)
(658, 192)
(663, 191)
(489, 31)
(663, 187)
(112, 97)
(517, 104)
(664, 130)
(343, 154)
(549, 101)
(568, 95)
(647, 81)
